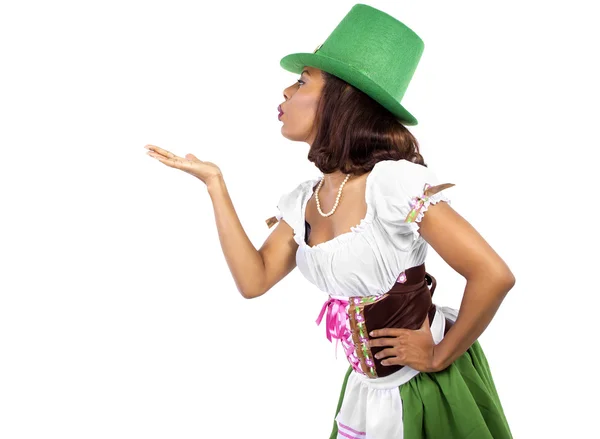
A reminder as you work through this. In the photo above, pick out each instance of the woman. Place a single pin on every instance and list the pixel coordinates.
(424, 375)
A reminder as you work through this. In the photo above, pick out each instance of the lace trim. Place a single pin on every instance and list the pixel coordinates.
(420, 204)
(432, 200)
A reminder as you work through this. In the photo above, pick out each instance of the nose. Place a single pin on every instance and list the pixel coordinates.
(286, 92)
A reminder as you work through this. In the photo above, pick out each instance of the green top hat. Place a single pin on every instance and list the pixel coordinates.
(370, 50)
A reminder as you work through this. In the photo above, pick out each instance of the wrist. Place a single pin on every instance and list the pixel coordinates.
(439, 362)
(215, 183)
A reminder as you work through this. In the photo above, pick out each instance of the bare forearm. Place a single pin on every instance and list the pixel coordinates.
(244, 261)
(481, 300)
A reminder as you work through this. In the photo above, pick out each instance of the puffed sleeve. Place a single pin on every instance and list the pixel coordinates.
(289, 208)
(402, 193)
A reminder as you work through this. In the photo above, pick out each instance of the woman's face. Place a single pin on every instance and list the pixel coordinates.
(300, 106)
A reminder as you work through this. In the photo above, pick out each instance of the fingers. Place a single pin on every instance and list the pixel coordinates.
(388, 352)
(168, 158)
(175, 162)
(387, 332)
(397, 360)
(396, 332)
(160, 151)
(383, 342)
(391, 356)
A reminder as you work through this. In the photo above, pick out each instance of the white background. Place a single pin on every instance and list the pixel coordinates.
(118, 315)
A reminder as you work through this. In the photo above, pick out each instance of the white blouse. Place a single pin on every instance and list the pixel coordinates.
(368, 259)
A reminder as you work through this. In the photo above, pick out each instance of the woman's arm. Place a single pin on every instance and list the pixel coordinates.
(254, 271)
(488, 277)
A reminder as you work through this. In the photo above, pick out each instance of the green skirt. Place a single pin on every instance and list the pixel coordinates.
(460, 402)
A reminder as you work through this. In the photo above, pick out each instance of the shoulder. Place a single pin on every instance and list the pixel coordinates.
(401, 191)
(294, 194)
(402, 176)
(291, 201)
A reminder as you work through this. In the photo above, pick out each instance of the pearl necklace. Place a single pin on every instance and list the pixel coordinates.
(337, 199)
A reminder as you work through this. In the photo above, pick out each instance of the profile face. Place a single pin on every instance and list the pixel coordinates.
(300, 106)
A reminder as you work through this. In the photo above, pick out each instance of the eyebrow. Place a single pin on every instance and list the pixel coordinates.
(304, 71)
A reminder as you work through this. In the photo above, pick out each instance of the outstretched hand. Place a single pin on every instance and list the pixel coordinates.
(205, 171)
(407, 347)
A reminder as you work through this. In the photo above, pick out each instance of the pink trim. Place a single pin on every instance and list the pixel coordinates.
(361, 433)
(341, 433)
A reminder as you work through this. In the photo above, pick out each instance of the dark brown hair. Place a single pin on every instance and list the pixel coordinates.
(353, 131)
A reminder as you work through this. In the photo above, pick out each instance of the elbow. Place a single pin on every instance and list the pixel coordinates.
(511, 281)
(508, 279)
(506, 282)
(247, 295)
(251, 294)
(256, 287)
(503, 280)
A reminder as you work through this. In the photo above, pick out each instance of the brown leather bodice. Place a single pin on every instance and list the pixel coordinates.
(405, 305)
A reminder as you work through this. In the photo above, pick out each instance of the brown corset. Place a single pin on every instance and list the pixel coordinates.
(405, 305)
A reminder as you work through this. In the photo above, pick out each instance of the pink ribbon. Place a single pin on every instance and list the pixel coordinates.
(336, 327)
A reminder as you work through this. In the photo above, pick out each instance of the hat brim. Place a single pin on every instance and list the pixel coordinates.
(295, 62)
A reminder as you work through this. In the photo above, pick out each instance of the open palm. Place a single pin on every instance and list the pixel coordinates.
(205, 171)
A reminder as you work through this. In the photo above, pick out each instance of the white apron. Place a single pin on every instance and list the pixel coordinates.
(372, 407)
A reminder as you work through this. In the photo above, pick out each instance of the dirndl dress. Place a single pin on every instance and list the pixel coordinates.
(381, 256)
(460, 401)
